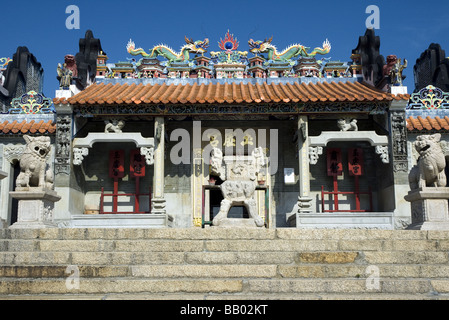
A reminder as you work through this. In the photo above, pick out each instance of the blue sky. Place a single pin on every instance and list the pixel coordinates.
(406, 27)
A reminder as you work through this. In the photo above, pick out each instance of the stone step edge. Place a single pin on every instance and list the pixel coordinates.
(268, 286)
(220, 234)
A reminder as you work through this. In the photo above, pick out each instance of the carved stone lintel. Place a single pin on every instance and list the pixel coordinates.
(148, 152)
(383, 152)
(79, 154)
(314, 154)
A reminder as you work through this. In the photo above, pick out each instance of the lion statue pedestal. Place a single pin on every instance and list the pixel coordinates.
(34, 186)
(429, 195)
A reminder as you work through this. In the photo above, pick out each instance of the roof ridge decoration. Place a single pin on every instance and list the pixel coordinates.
(288, 53)
(31, 103)
(429, 98)
(229, 53)
(168, 53)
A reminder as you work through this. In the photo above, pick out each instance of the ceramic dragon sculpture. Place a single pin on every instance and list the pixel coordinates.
(288, 53)
(170, 54)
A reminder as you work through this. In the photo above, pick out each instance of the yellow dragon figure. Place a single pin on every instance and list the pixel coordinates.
(170, 54)
(288, 53)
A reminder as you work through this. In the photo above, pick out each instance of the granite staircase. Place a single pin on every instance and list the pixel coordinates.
(212, 263)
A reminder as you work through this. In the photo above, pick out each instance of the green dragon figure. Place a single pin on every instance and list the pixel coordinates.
(288, 53)
(170, 54)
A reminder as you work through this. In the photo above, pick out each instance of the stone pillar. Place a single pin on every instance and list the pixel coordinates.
(3, 174)
(304, 199)
(399, 157)
(158, 199)
(197, 186)
(66, 183)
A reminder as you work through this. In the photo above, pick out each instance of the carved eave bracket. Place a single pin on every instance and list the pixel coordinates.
(317, 143)
(81, 146)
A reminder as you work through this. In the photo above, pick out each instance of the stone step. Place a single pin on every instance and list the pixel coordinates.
(271, 271)
(214, 263)
(218, 233)
(263, 298)
(204, 257)
(260, 245)
(34, 286)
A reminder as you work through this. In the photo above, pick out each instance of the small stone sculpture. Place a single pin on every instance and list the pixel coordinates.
(347, 125)
(114, 126)
(33, 165)
(429, 172)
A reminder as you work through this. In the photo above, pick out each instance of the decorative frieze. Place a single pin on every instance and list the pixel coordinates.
(399, 141)
(199, 109)
(63, 144)
(13, 152)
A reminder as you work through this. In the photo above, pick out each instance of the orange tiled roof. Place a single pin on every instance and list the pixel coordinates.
(27, 127)
(227, 93)
(428, 123)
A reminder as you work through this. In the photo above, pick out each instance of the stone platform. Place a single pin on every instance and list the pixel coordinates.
(343, 220)
(119, 221)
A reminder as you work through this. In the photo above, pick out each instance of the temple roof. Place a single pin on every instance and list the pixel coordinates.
(28, 127)
(428, 123)
(231, 93)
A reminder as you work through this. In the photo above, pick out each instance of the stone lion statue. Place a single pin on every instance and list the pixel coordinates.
(33, 165)
(429, 172)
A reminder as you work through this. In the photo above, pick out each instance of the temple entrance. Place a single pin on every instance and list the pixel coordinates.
(117, 180)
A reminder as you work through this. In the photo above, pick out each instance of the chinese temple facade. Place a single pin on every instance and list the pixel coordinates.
(257, 139)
